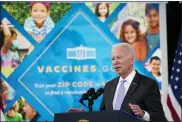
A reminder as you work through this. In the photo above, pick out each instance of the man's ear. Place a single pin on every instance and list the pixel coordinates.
(132, 59)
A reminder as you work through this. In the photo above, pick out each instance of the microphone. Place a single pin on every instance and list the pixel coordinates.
(99, 92)
(90, 92)
(86, 95)
(91, 95)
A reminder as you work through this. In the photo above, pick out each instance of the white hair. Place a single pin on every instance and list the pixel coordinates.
(127, 47)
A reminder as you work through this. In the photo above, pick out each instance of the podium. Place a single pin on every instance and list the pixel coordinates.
(99, 116)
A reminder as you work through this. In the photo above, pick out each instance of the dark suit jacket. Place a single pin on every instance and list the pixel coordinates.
(143, 91)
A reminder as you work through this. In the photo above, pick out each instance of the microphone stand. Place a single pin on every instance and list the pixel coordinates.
(91, 98)
(83, 104)
(90, 104)
(91, 101)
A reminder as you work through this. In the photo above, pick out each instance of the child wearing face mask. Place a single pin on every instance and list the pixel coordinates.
(152, 33)
(102, 11)
(130, 33)
(10, 58)
(40, 23)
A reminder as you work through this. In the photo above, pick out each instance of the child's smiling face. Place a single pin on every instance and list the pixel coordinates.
(130, 34)
(153, 18)
(155, 66)
(11, 113)
(102, 9)
(39, 12)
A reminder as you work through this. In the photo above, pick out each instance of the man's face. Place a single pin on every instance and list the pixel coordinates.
(121, 61)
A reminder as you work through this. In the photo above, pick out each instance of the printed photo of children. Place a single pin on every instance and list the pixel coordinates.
(30, 113)
(130, 33)
(12, 115)
(153, 65)
(102, 10)
(152, 33)
(21, 111)
(143, 19)
(40, 23)
(38, 18)
(12, 44)
(7, 94)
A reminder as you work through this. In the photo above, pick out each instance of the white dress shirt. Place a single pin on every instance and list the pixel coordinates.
(128, 79)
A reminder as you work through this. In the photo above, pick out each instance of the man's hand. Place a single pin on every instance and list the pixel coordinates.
(136, 110)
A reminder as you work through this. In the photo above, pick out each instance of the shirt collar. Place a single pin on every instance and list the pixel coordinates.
(129, 78)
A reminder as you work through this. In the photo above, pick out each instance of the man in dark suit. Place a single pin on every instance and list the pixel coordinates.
(131, 91)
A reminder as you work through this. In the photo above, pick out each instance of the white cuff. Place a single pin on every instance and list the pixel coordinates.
(146, 116)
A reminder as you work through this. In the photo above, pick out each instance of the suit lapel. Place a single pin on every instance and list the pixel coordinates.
(134, 84)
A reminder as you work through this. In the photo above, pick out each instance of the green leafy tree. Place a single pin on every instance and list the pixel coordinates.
(138, 10)
(21, 105)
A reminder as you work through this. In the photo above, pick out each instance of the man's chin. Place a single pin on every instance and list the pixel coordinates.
(117, 71)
